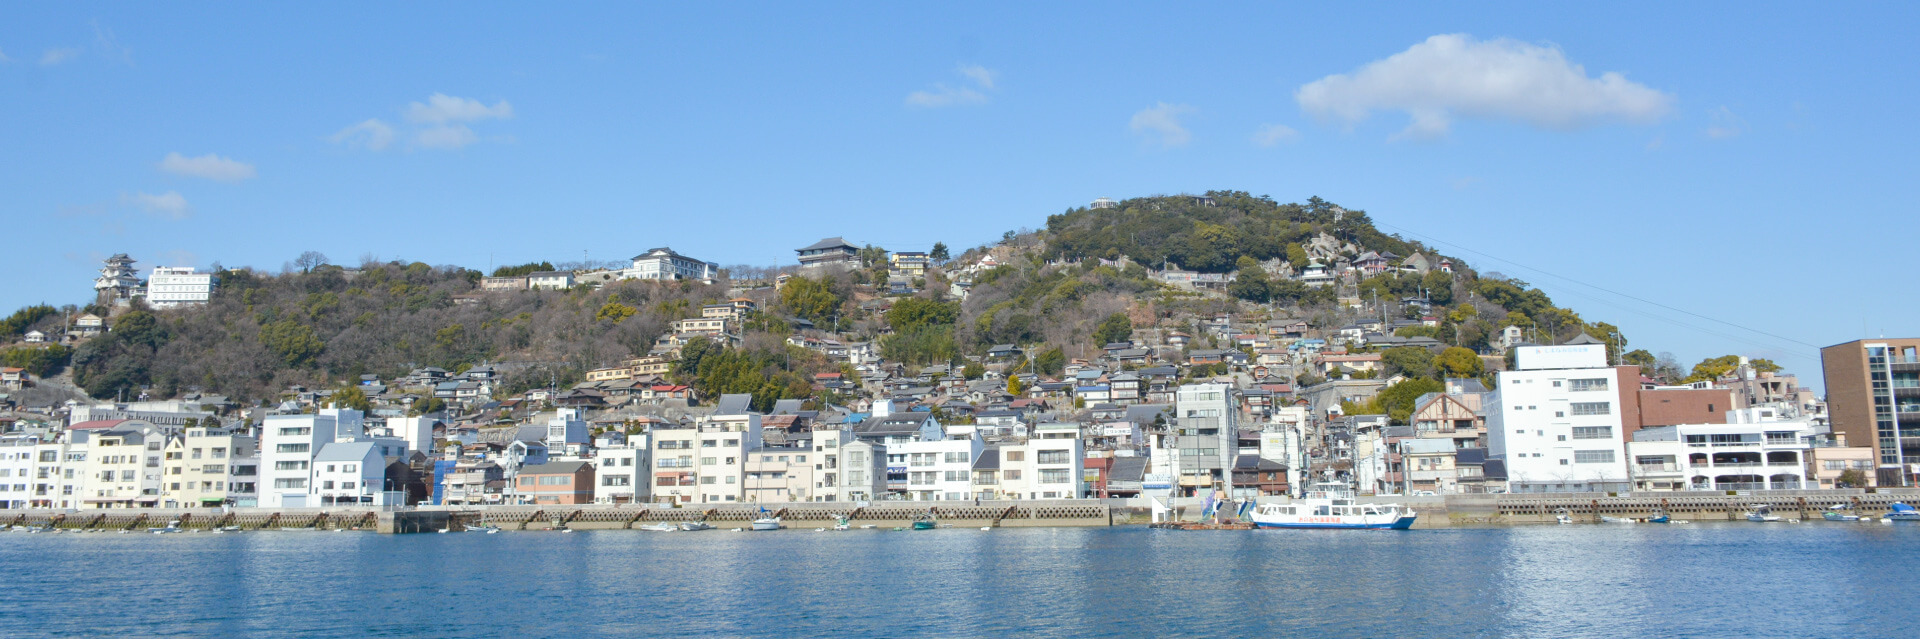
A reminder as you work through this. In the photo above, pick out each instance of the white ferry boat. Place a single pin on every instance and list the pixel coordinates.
(1331, 505)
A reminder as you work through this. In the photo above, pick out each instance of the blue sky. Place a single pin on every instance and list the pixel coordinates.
(1741, 165)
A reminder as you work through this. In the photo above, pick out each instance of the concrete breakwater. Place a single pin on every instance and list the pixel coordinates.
(582, 517)
(1541, 508)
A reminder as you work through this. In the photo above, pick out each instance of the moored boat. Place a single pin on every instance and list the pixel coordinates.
(1839, 512)
(665, 526)
(766, 523)
(926, 522)
(487, 528)
(690, 526)
(1900, 511)
(1762, 513)
(1331, 505)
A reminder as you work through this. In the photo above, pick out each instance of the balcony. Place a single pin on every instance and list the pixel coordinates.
(1657, 468)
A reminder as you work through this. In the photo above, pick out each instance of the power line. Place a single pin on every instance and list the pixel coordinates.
(1599, 288)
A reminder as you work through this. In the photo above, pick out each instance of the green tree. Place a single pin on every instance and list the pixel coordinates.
(1712, 368)
(1459, 362)
(1398, 400)
(615, 312)
(1116, 328)
(426, 406)
(1439, 286)
(912, 313)
(1643, 359)
(809, 299)
(1014, 387)
(352, 397)
(1050, 362)
(294, 342)
(523, 269)
(1764, 366)
(1297, 256)
(939, 252)
(139, 327)
(1251, 284)
(973, 370)
(1412, 361)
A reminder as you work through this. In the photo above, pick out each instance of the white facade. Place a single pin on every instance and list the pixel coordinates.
(941, 469)
(171, 286)
(664, 264)
(550, 280)
(22, 483)
(287, 446)
(1049, 468)
(1557, 421)
(621, 473)
(1720, 457)
(349, 473)
(122, 467)
(1200, 452)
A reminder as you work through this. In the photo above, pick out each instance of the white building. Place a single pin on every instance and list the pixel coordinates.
(1556, 420)
(724, 439)
(1743, 456)
(351, 473)
(288, 444)
(1050, 465)
(171, 286)
(1201, 449)
(121, 467)
(664, 264)
(622, 473)
(22, 482)
(550, 279)
(210, 467)
(941, 469)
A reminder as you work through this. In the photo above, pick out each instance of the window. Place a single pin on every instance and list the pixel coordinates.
(330, 468)
(615, 480)
(290, 448)
(214, 469)
(1055, 476)
(1591, 408)
(1053, 457)
(1593, 432)
(196, 453)
(1556, 383)
(956, 475)
(1016, 455)
(346, 485)
(352, 468)
(709, 443)
(708, 461)
(290, 465)
(956, 458)
(1583, 385)
(297, 482)
(1593, 456)
(1010, 475)
(800, 459)
(706, 480)
(219, 453)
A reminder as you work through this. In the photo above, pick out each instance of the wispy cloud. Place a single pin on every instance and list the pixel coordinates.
(1454, 75)
(979, 80)
(1161, 124)
(1722, 124)
(209, 166)
(438, 123)
(110, 46)
(371, 134)
(56, 56)
(441, 108)
(451, 136)
(1273, 134)
(170, 205)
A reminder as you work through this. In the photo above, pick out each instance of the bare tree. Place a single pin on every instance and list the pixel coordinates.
(310, 260)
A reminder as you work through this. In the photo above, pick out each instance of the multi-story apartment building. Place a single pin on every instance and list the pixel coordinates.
(211, 466)
(1873, 397)
(664, 264)
(621, 472)
(1748, 456)
(912, 263)
(288, 444)
(1049, 465)
(940, 469)
(23, 482)
(778, 474)
(830, 252)
(122, 466)
(1557, 419)
(676, 477)
(171, 286)
(1200, 448)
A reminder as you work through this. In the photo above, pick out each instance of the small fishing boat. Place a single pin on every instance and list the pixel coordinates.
(1659, 517)
(1609, 519)
(171, 527)
(690, 526)
(766, 523)
(487, 528)
(842, 523)
(1839, 512)
(1331, 505)
(665, 526)
(1900, 511)
(926, 522)
(1563, 516)
(1762, 513)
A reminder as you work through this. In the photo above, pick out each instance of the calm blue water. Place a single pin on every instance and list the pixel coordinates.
(1706, 580)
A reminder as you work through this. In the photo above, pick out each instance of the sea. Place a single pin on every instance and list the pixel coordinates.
(1720, 579)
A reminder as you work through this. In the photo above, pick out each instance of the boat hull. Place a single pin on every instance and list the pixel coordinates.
(1402, 523)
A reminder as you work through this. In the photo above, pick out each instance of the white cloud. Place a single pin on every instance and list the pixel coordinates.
(1453, 75)
(57, 56)
(979, 75)
(371, 134)
(169, 205)
(1722, 124)
(445, 137)
(1162, 121)
(441, 108)
(943, 94)
(1273, 134)
(209, 166)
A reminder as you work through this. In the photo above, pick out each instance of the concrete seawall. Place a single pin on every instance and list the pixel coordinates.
(1538, 508)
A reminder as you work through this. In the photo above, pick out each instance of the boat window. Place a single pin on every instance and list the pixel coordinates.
(1320, 510)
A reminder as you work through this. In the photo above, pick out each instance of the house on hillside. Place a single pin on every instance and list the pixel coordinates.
(829, 252)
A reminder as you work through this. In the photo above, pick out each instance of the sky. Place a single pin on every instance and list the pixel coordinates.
(1713, 178)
